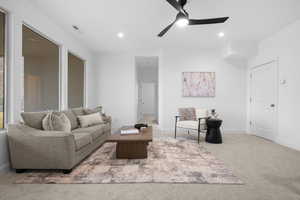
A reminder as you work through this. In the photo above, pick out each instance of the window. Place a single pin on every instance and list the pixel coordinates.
(41, 72)
(75, 81)
(2, 67)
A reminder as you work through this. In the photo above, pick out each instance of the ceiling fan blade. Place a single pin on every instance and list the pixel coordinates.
(175, 4)
(165, 30)
(208, 21)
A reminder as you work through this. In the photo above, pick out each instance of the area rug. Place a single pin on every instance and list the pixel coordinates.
(169, 161)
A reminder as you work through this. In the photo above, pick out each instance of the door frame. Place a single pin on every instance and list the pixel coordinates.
(276, 61)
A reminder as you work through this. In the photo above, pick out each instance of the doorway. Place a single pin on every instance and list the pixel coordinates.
(263, 101)
(147, 82)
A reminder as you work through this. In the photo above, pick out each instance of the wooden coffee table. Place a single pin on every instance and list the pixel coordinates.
(132, 146)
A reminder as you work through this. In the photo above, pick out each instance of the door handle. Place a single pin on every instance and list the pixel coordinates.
(272, 105)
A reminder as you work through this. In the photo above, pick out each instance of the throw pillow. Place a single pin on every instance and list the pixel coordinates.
(187, 114)
(78, 111)
(56, 121)
(90, 120)
(34, 119)
(72, 117)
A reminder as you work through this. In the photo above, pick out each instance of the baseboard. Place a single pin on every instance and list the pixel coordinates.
(223, 131)
(4, 167)
(234, 131)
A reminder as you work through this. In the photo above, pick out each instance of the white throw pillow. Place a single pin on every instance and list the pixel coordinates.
(56, 121)
(90, 120)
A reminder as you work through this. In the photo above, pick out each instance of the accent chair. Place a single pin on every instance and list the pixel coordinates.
(192, 119)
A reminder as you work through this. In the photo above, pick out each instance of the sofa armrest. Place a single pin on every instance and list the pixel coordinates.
(37, 149)
(107, 119)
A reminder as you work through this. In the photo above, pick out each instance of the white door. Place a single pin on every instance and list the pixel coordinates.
(148, 98)
(264, 100)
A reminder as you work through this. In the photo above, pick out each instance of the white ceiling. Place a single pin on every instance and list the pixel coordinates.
(141, 20)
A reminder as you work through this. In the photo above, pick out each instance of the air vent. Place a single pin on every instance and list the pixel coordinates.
(76, 28)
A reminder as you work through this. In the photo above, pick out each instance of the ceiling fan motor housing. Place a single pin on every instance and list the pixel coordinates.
(182, 15)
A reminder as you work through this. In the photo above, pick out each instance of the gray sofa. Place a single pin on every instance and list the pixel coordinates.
(33, 148)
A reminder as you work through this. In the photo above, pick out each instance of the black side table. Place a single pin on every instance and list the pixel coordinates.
(213, 134)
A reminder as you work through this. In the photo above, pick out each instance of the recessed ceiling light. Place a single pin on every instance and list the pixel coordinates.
(120, 35)
(221, 34)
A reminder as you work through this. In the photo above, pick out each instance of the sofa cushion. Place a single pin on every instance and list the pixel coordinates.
(78, 111)
(95, 110)
(81, 140)
(56, 121)
(72, 117)
(90, 120)
(95, 131)
(34, 119)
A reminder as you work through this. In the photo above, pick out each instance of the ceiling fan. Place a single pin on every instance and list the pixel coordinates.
(182, 18)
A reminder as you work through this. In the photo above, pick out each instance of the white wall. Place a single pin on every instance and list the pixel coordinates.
(117, 89)
(20, 12)
(285, 46)
(230, 99)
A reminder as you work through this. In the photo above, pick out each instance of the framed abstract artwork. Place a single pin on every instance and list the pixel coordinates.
(199, 84)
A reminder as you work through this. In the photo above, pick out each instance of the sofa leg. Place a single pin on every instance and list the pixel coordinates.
(19, 171)
(67, 171)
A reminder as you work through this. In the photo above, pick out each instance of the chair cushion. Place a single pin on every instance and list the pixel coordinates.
(56, 121)
(190, 124)
(34, 119)
(200, 113)
(95, 131)
(82, 139)
(72, 117)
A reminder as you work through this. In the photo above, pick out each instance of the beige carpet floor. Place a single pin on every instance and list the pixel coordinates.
(269, 171)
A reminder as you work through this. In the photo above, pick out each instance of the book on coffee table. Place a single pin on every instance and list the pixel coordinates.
(128, 130)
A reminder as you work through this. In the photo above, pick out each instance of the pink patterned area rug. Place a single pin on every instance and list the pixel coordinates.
(169, 161)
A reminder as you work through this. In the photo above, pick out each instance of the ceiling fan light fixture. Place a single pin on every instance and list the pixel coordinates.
(182, 22)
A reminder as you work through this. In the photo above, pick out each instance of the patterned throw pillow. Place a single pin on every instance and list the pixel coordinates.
(56, 121)
(187, 113)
